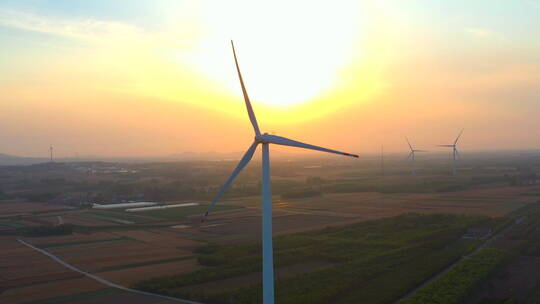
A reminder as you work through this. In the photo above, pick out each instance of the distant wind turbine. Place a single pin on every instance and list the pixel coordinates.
(455, 153)
(51, 150)
(382, 162)
(265, 140)
(412, 157)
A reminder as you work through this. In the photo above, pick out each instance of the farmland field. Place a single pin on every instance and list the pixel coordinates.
(181, 213)
(384, 251)
(342, 234)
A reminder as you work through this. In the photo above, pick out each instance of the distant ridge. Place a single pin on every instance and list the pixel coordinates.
(9, 160)
(12, 160)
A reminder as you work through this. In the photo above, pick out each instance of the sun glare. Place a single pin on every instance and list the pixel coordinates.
(285, 61)
(296, 67)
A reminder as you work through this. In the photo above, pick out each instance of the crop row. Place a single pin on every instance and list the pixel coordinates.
(457, 283)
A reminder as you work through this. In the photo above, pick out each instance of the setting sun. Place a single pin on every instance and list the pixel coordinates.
(286, 62)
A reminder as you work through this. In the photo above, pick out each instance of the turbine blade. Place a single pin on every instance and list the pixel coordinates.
(278, 140)
(243, 162)
(410, 155)
(420, 151)
(251, 114)
(457, 154)
(455, 142)
(409, 143)
(445, 145)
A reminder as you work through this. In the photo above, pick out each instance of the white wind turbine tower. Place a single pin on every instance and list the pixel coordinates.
(265, 140)
(412, 157)
(455, 153)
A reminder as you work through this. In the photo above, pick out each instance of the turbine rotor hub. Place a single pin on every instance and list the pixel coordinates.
(261, 139)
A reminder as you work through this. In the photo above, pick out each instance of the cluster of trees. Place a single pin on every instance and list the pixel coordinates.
(302, 193)
(40, 196)
(522, 179)
(528, 230)
(4, 196)
(48, 230)
(456, 284)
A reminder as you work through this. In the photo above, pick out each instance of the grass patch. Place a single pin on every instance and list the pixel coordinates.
(369, 262)
(48, 230)
(83, 243)
(12, 225)
(510, 206)
(113, 217)
(77, 297)
(131, 265)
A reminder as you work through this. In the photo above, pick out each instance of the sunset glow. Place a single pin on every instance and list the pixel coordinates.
(140, 79)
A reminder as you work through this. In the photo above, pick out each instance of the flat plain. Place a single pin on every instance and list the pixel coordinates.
(338, 226)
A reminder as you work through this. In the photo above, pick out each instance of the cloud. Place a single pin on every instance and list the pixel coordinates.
(89, 30)
(81, 29)
(483, 32)
(533, 3)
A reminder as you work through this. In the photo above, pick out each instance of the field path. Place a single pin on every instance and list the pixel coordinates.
(463, 257)
(101, 280)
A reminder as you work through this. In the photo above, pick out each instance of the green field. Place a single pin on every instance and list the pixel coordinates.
(369, 262)
(489, 276)
(78, 296)
(457, 283)
(12, 224)
(112, 216)
(83, 243)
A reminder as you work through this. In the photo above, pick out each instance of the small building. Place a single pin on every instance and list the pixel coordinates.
(477, 233)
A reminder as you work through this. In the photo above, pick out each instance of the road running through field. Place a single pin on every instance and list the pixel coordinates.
(463, 257)
(103, 281)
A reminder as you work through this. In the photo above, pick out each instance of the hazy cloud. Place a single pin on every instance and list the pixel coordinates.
(483, 32)
(91, 30)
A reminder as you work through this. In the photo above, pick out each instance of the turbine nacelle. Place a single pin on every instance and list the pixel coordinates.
(412, 156)
(261, 138)
(413, 150)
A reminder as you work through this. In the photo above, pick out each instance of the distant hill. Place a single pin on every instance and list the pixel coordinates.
(277, 154)
(10, 160)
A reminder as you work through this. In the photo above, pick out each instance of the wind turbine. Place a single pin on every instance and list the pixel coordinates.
(51, 151)
(382, 162)
(412, 157)
(265, 140)
(455, 153)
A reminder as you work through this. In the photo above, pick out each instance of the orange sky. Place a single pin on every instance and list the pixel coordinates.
(157, 79)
